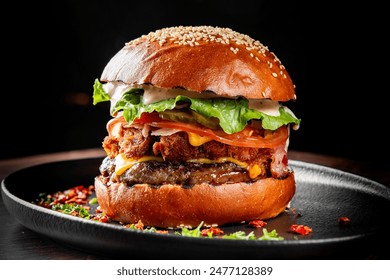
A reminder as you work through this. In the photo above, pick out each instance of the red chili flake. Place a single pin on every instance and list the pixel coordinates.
(344, 221)
(100, 218)
(257, 223)
(103, 218)
(77, 194)
(91, 188)
(74, 213)
(59, 198)
(300, 229)
(71, 192)
(99, 209)
(139, 225)
(213, 230)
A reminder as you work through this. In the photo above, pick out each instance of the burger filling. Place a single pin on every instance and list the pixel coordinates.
(187, 140)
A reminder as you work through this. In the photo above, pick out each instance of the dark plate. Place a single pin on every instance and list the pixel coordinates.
(323, 196)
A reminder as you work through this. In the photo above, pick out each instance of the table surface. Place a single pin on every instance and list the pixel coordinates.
(19, 243)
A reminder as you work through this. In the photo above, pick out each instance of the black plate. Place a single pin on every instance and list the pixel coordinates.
(323, 196)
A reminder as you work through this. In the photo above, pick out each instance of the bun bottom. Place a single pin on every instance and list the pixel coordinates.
(172, 206)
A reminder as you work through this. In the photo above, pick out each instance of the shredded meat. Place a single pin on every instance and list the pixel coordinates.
(132, 143)
(177, 148)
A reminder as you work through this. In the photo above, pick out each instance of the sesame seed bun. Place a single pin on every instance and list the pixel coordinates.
(200, 59)
(173, 206)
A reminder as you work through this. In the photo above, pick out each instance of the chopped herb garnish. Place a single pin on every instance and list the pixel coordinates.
(93, 201)
(273, 235)
(72, 209)
(192, 232)
(240, 235)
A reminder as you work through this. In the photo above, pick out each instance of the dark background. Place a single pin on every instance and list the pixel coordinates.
(335, 56)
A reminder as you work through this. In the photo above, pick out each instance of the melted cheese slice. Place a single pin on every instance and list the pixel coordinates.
(122, 163)
(254, 171)
(197, 140)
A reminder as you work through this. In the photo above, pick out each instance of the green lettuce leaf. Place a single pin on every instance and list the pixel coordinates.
(233, 114)
(99, 95)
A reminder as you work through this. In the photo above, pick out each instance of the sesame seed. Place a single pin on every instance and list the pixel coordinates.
(197, 35)
(274, 74)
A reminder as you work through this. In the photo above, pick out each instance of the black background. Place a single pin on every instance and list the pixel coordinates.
(54, 51)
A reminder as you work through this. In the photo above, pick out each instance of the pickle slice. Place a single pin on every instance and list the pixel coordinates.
(189, 117)
(208, 122)
(177, 116)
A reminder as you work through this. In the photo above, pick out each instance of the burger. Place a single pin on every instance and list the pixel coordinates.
(198, 133)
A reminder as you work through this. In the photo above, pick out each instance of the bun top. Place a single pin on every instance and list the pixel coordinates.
(202, 58)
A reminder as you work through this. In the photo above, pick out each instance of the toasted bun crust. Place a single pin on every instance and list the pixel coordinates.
(202, 58)
(172, 206)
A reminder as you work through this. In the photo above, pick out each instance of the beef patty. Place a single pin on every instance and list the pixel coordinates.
(186, 174)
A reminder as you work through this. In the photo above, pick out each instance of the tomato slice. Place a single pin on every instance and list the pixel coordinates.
(245, 138)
